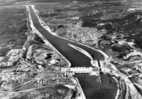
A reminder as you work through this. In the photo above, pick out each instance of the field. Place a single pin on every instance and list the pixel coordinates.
(12, 28)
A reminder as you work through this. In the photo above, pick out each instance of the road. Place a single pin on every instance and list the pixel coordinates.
(78, 58)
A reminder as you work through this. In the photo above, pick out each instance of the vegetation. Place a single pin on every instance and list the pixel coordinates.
(12, 27)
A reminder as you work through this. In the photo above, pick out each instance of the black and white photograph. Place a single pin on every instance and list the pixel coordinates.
(70, 49)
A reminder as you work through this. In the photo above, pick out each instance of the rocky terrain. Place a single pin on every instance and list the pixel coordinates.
(29, 69)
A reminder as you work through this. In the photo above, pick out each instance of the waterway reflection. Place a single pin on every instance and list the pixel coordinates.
(97, 88)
